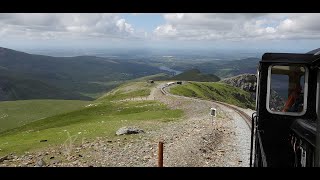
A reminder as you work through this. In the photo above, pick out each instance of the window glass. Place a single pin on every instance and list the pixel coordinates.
(287, 88)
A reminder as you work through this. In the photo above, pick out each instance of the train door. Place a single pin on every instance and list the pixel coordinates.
(286, 101)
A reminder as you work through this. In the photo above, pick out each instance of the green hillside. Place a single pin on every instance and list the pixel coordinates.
(18, 113)
(230, 68)
(196, 75)
(101, 118)
(156, 77)
(80, 77)
(215, 91)
(128, 91)
(221, 68)
(15, 87)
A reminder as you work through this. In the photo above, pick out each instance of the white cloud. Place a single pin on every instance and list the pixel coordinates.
(270, 30)
(179, 26)
(166, 30)
(287, 26)
(124, 27)
(239, 26)
(50, 26)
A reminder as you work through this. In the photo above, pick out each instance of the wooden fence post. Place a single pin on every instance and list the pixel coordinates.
(160, 154)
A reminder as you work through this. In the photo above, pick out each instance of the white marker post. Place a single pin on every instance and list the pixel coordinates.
(213, 113)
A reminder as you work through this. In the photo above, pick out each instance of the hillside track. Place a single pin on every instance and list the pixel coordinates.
(243, 114)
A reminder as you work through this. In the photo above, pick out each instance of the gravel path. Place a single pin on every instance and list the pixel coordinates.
(195, 140)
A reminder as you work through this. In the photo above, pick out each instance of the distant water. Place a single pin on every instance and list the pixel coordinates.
(170, 70)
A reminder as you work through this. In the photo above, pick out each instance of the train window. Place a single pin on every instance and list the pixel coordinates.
(287, 89)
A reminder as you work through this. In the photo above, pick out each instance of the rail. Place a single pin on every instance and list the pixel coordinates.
(248, 119)
(244, 115)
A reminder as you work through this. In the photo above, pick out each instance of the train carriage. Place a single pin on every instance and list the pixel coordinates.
(285, 127)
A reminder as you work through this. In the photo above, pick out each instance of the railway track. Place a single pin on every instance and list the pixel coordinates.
(244, 115)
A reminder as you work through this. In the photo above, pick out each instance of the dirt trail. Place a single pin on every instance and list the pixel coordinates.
(195, 140)
(226, 142)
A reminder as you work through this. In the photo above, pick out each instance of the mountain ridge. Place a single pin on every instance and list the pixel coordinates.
(195, 75)
(86, 76)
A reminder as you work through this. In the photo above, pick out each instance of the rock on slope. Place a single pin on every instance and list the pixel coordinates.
(246, 82)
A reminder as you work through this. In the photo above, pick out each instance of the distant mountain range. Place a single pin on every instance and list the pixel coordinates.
(29, 76)
(221, 68)
(225, 69)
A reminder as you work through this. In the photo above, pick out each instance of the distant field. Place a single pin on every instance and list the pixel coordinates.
(18, 113)
(156, 77)
(196, 75)
(215, 91)
(101, 118)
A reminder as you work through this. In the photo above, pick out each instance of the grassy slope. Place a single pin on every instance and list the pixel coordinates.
(102, 119)
(81, 77)
(215, 91)
(128, 91)
(196, 75)
(18, 113)
(156, 77)
(23, 89)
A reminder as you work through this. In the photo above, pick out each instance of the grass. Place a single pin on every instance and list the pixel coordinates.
(156, 77)
(196, 75)
(18, 113)
(101, 119)
(128, 91)
(119, 95)
(215, 91)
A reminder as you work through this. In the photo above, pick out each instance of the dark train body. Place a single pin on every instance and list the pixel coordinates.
(285, 127)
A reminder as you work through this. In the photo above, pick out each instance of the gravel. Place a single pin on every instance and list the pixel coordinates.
(192, 141)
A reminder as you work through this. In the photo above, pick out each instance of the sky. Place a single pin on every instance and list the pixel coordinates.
(196, 31)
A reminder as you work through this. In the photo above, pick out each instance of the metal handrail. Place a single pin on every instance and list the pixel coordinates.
(252, 135)
(264, 161)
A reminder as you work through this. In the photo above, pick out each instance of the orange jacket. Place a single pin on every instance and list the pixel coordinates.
(292, 98)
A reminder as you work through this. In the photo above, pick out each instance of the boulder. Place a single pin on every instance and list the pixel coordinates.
(4, 158)
(129, 130)
(40, 163)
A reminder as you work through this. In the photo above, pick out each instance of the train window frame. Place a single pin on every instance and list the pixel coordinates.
(317, 93)
(305, 96)
(257, 87)
(317, 152)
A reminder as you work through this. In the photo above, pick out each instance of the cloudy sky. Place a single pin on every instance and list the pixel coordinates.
(292, 32)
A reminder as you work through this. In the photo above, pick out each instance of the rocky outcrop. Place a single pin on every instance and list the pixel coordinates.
(247, 82)
(276, 101)
(129, 130)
